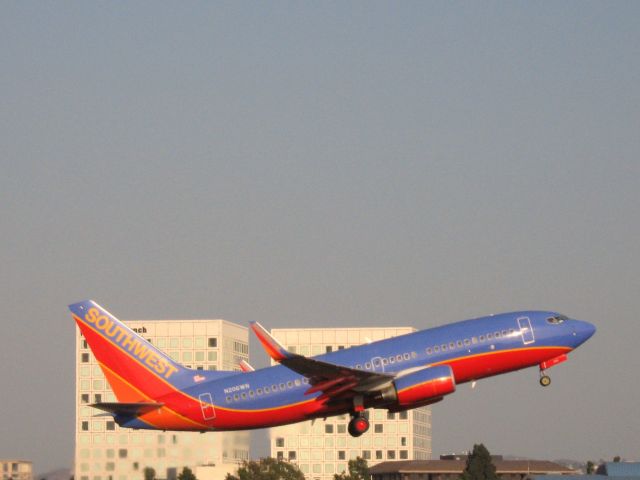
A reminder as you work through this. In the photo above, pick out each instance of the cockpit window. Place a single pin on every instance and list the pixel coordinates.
(557, 319)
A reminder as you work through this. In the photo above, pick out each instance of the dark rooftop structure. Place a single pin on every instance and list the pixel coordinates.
(619, 469)
(451, 469)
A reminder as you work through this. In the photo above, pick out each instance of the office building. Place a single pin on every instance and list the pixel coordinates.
(12, 469)
(104, 451)
(323, 448)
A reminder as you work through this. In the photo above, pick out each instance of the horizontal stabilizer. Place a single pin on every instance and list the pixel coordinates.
(246, 366)
(128, 409)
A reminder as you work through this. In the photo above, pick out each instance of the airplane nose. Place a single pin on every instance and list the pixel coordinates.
(584, 331)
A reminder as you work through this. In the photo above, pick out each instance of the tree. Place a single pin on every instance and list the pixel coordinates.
(358, 470)
(591, 467)
(479, 465)
(616, 459)
(186, 474)
(267, 469)
(149, 473)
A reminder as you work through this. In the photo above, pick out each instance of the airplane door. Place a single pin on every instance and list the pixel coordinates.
(376, 363)
(525, 329)
(206, 405)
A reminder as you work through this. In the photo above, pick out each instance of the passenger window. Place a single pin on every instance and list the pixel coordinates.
(436, 349)
(467, 342)
(443, 347)
(399, 358)
(429, 351)
(406, 356)
(367, 365)
(459, 343)
(392, 359)
(482, 338)
(474, 340)
(259, 391)
(504, 333)
(452, 346)
(489, 336)
(289, 384)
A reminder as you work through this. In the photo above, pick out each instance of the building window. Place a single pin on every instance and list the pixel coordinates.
(391, 454)
(366, 454)
(329, 349)
(85, 358)
(403, 441)
(391, 416)
(97, 397)
(279, 442)
(403, 415)
(292, 455)
(85, 426)
(378, 454)
(84, 398)
(342, 428)
(342, 455)
(404, 454)
(280, 455)
(84, 344)
(328, 428)
(377, 428)
(213, 342)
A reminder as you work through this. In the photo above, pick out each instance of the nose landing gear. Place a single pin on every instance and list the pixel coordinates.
(545, 380)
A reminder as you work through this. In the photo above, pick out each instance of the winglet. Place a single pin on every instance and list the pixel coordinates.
(270, 344)
(246, 366)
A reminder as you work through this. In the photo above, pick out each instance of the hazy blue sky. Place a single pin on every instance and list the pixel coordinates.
(326, 164)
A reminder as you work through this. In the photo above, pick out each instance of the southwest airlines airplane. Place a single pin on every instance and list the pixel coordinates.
(399, 373)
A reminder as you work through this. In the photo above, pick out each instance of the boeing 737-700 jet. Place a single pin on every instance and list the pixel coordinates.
(400, 373)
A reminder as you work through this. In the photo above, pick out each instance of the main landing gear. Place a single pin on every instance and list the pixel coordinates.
(359, 423)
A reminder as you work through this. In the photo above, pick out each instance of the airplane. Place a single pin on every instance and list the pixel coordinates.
(400, 373)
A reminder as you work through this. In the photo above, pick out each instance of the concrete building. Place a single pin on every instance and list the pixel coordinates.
(104, 451)
(12, 469)
(322, 448)
(452, 469)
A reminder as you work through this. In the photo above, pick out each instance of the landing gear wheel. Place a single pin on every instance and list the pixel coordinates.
(358, 425)
(545, 380)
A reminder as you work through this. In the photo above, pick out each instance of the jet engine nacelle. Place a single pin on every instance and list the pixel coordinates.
(418, 388)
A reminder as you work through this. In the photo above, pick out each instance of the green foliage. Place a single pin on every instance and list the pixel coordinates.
(479, 465)
(617, 459)
(591, 467)
(358, 470)
(267, 469)
(149, 473)
(186, 474)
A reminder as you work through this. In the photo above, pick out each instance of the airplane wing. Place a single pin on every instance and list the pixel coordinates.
(330, 379)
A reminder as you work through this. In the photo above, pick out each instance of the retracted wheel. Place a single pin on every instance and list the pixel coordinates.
(545, 380)
(358, 425)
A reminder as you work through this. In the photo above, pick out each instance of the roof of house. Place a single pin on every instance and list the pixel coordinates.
(621, 469)
(457, 466)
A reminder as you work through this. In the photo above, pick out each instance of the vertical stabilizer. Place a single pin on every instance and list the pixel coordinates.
(135, 369)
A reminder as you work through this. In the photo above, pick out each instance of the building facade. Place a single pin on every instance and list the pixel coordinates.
(104, 451)
(11, 469)
(323, 448)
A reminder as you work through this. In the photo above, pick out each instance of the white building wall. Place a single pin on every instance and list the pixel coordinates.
(323, 448)
(104, 451)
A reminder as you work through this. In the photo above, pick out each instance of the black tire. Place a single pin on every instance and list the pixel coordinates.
(358, 426)
(545, 381)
